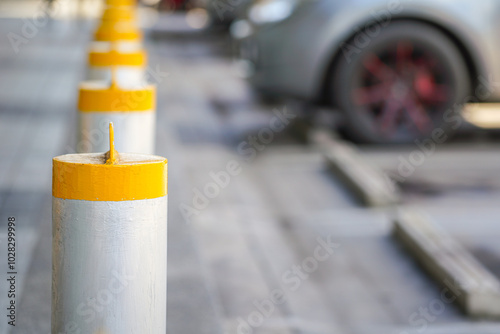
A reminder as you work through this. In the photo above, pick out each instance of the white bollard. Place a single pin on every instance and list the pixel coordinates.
(124, 33)
(132, 110)
(130, 66)
(109, 243)
(118, 24)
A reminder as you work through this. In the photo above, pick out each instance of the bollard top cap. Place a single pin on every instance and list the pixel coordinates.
(119, 13)
(110, 31)
(109, 176)
(116, 57)
(99, 96)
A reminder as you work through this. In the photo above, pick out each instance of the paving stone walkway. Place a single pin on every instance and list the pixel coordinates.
(282, 248)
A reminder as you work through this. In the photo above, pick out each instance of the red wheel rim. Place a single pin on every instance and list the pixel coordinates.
(402, 90)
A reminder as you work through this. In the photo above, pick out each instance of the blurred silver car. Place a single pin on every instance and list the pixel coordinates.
(397, 69)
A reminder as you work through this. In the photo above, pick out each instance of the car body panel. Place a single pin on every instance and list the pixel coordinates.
(293, 57)
(226, 11)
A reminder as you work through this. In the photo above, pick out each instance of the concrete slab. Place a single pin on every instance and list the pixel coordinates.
(464, 279)
(370, 185)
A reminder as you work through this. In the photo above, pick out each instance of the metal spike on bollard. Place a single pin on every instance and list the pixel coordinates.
(109, 249)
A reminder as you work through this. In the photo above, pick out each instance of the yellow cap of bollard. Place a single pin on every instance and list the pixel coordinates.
(117, 58)
(121, 2)
(119, 13)
(109, 31)
(110, 176)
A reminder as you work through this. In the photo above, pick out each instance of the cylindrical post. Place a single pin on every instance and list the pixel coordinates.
(109, 243)
(121, 2)
(118, 24)
(132, 110)
(130, 66)
(125, 33)
(119, 14)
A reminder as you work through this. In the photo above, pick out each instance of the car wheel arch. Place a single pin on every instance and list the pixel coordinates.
(471, 59)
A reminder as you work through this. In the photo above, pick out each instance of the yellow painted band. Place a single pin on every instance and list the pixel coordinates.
(114, 58)
(114, 99)
(117, 31)
(87, 177)
(113, 36)
(121, 2)
(119, 13)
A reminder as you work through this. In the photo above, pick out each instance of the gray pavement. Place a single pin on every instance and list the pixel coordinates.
(458, 187)
(282, 227)
(36, 93)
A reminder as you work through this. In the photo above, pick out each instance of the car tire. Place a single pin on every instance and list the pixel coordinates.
(401, 85)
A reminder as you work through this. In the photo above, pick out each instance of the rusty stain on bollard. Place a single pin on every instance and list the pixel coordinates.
(109, 242)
